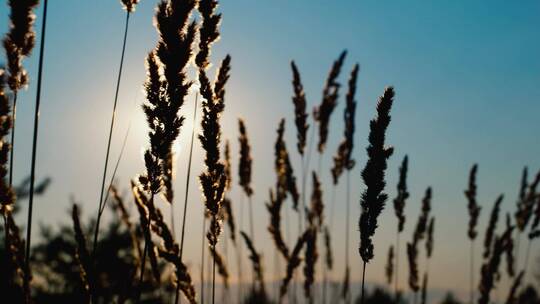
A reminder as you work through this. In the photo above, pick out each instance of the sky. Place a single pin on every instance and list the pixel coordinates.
(466, 76)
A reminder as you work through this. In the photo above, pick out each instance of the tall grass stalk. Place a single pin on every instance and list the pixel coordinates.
(34, 149)
(109, 140)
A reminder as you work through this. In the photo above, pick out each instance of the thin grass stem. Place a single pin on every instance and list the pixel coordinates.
(34, 152)
(109, 140)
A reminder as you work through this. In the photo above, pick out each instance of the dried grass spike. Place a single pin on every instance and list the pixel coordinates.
(300, 115)
(373, 198)
(402, 194)
(474, 209)
(129, 5)
(389, 269)
(492, 226)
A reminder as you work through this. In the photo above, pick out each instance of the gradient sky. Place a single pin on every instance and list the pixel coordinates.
(466, 74)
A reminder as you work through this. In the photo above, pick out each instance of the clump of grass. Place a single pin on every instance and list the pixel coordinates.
(18, 44)
(373, 198)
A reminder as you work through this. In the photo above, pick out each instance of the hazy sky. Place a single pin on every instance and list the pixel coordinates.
(466, 74)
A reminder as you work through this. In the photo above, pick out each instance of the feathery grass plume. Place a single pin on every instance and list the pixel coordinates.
(535, 231)
(510, 260)
(286, 181)
(256, 261)
(18, 44)
(490, 268)
(474, 209)
(141, 202)
(300, 115)
(512, 299)
(310, 257)
(19, 41)
(274, 208)
(402, 194)
(166, 90)
(213, 180)
(328, 246)
(343, 160)
(315, 213)
(229, 217)
(221, 266)
(429, 241)
(129, 5)
(492, 226)
(389, 269)
(422, 224)
(474, 213)
(293, 262)
(424, 289)
(120, 208)
(244, 166)
(82, 255)
(373, 198)
(412, 255)
(7, 197)
(330, 96)
(290, 179)
(420, 231)
(521, 202)
(227, 165)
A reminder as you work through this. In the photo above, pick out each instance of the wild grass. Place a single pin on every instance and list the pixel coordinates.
(184, 46)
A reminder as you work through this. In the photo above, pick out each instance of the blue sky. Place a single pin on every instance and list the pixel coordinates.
(466, 75)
